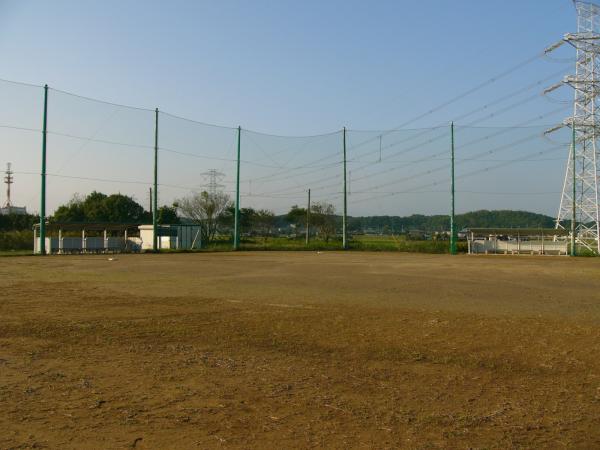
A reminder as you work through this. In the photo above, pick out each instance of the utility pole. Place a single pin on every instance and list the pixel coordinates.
(236, 227)
(345, 217)
(8, 179)
(308, 219)
(155, 197)
(43, 187)
(452, 218)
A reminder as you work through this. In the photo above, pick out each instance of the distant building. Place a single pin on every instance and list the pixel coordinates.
(18, 210)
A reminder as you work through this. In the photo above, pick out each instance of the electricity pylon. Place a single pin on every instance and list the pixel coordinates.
(213, 178)
(580, 194)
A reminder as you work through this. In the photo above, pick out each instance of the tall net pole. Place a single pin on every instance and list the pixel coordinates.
(308, 219)
(579, 201)
(43, 187)
(452, 218)
(345, 217)
(236, 227)
(155, 196)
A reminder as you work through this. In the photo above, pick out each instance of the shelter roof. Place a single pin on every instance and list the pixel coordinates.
(518, 231)
(88, 226)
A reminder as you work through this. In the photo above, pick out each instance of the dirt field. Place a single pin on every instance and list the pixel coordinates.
(299, 350)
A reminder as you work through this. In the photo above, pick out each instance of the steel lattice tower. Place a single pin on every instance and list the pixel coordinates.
(213, 178)
(586, 120)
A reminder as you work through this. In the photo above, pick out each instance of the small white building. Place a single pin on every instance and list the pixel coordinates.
(171, 237)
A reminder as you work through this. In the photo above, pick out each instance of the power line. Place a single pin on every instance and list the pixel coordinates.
(149, 147)
(428, 130)
(21, 83)
(471, 125)
(313, 166)
(448, 102)
(464, 94)
(445, 166)
(316, 184)
(13, 127)
(469, 174)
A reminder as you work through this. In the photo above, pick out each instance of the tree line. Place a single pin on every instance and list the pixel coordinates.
(474, 219)
(215, 214)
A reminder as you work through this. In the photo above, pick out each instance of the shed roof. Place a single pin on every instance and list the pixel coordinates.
(88, 226)
(518, 231)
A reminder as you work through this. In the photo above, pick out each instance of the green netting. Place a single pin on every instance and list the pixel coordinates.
(516, 168)
(388, 168)
(495, 168)
(108, 148)
(97, 146)
(188, 152)
(20, 141)
(278, 172)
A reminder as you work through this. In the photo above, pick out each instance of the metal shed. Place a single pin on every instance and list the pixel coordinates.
(171, 237)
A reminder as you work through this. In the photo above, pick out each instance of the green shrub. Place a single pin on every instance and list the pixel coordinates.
(16, 240)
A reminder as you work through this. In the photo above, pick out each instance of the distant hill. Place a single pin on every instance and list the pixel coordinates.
(482, 218)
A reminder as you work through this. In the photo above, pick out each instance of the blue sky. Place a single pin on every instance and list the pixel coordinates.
(294, 68)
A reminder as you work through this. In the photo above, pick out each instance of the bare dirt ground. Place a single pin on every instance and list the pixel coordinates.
(299, 350)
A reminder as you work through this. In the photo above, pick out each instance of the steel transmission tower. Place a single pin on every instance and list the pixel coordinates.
(580, 188)
(213, 178)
